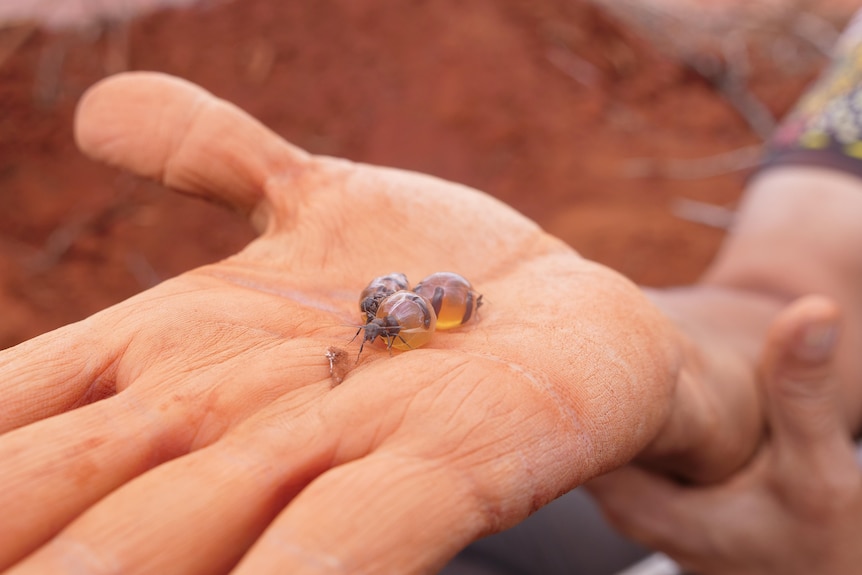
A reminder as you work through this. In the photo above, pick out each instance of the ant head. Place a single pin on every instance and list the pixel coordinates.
(373, 329)
(385, 327)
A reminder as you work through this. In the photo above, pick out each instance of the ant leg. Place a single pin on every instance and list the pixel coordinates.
(361, 346)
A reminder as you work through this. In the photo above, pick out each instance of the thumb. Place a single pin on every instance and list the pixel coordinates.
(803, 396)
(175, 132)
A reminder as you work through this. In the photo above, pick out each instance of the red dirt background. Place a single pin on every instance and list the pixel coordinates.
(559, 109)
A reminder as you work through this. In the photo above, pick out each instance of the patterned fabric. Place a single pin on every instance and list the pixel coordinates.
(825, 127)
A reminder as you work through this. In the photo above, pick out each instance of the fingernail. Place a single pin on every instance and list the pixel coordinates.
(816, 342)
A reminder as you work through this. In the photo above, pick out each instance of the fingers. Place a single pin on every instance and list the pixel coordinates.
(802, 396)
(796, 372)
(448, 462)
(175, 132)
(804, 482)
(649, 508)
(200, 513)
(195, 514)
(804, 402)
(386, 513)
(53, 373)
(67, 463)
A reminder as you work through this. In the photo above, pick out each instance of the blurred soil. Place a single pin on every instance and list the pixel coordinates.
(561, 110)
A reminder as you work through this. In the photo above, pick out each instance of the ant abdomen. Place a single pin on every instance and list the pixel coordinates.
(377, 290)
(452, 298)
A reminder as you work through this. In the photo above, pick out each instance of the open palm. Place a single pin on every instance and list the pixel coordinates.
(195, 428)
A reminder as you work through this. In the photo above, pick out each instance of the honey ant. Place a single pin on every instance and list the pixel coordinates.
(406, 320)
(452, 298)
(377, 290)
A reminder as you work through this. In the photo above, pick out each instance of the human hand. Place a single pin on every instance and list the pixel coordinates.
(797, 507)
(194, 428)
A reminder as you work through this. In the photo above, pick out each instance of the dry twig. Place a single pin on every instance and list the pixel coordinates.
(697, 168)
(702, 213)
(715, 42)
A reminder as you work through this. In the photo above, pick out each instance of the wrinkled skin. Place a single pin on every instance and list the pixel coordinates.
(195, 428)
